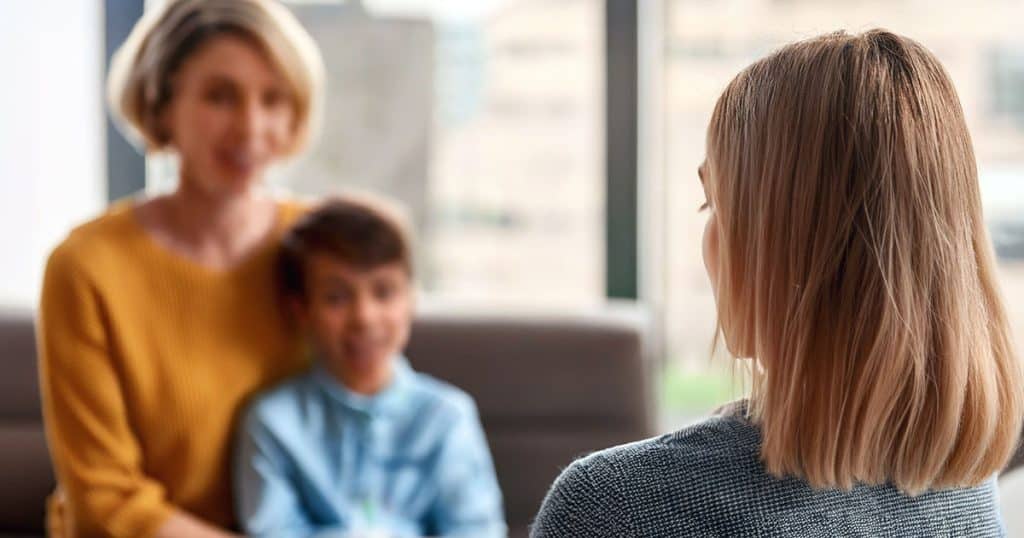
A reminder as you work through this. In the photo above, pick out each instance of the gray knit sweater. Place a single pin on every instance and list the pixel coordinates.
(707, 480)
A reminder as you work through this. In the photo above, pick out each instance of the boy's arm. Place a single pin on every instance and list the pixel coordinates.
(469, 502)
(266, 501)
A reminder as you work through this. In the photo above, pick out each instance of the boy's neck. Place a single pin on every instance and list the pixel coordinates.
(366, 383)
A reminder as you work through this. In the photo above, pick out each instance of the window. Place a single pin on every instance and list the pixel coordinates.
(51, 143)
(487, 122)
(707, 43)
(1006, 70)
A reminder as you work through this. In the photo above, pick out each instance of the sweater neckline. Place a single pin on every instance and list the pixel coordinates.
(127, 210)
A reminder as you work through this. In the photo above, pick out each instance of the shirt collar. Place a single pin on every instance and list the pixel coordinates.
(387, 401)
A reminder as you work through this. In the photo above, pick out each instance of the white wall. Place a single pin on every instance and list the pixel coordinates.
(52, 138)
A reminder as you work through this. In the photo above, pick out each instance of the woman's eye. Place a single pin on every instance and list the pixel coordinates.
(273, 99)
(384, 293)
(703, 206)
(219, 96)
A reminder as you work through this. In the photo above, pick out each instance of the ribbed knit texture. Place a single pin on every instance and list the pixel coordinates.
(707, 481)
(145, 360)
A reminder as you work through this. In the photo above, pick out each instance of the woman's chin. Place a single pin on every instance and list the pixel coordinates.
(233, 181)
(239, 184)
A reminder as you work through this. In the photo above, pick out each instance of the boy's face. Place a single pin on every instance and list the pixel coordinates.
(357, 319)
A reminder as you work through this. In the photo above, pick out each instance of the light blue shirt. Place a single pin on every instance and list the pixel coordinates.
(315, 459)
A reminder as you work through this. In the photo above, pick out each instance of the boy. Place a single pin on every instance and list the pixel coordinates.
(361, 445)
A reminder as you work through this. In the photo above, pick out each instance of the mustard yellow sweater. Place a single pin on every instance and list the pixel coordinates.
(145, 361)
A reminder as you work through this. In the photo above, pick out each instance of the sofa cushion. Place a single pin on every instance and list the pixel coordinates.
(19, 383)
(26, 476)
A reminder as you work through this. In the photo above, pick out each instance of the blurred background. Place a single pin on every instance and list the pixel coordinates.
(547, 149)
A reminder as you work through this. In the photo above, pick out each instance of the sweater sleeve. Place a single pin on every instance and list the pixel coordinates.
(96, 455)
(581, 505)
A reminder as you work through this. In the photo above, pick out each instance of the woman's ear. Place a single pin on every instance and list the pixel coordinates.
(161, 134)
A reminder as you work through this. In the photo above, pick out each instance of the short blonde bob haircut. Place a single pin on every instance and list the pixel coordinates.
(855, 268)
(139, 85)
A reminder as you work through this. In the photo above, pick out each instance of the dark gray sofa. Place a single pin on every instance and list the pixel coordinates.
(548, 388)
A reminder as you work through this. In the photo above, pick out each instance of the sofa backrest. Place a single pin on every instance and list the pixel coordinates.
(24, 463)
(549, 389)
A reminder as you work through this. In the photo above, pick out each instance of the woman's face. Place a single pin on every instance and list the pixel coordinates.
(230, 116)
(710, 247)
(710, 240)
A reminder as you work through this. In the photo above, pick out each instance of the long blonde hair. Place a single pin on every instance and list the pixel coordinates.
(855, 267)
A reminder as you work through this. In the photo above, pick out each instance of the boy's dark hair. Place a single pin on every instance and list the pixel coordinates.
(360, 233)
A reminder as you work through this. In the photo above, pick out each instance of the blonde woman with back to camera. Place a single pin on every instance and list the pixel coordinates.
(850, 262)
(158, 318)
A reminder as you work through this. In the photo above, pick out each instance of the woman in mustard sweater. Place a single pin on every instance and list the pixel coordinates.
(158, 318)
